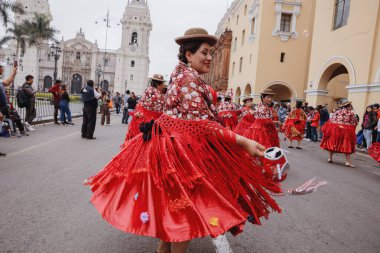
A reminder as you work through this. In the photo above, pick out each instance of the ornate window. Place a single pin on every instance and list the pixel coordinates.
(342, 9)
(78, 56)
(286, 20)
(253, 14)
(131, 78)
(132, 63)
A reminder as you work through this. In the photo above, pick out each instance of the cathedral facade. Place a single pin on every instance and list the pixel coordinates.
(81, 60)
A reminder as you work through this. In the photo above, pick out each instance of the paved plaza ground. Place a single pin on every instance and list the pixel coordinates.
(44, 206)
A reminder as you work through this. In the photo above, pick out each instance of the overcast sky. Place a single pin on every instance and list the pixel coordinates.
(170, 18)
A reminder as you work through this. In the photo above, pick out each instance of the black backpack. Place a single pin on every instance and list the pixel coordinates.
(22, 98)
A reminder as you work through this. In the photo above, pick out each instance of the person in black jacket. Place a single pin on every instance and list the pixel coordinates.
(90, 102)
(368, 125)
(132, 102)
(30, 109)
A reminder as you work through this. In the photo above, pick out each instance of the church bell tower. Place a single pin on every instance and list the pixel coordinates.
(132, 60)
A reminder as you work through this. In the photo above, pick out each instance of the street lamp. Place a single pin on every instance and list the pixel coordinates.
(99, 73)
(107, 19)
(55, 52)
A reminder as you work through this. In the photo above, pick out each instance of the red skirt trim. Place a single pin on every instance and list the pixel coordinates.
(264, 132)
(294, 129)
(338, 138)
(245, 123)
(187, 182)
(374, 151)
(228, 119)
(145, 116)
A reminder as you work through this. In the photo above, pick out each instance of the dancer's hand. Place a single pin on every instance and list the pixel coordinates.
(252, 147)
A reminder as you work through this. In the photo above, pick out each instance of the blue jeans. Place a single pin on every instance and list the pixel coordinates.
(378, 137)
(65, 110)
(314, 135)
(367, 133)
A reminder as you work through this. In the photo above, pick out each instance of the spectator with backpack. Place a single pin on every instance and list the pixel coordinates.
(30, 107)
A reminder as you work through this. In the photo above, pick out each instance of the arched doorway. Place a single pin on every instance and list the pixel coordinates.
(76, 84)
(104, 85)
(237, 96)
(283, 93)
(334, 80)
(48, 82)
(247, 90)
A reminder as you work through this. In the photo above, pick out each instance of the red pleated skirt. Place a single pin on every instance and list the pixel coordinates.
(264, 132)
(186, 182)
(338, 138)
(245, 123)
(228, 119)
(294, 129)
(374, 151)
(134, 126)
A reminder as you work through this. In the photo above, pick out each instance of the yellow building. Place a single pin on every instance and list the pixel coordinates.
(318, 51)
(345, 53)
(270, 47)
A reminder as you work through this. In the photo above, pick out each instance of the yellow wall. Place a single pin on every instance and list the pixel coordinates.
(261, 59)
(355, 45)
(293, 71)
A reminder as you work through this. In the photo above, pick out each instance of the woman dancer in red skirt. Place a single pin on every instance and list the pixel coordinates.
(295, 125)
(246, 117)
(149, 107)
(339, 132)
(264, 129)
(228, 113)
(185, 176)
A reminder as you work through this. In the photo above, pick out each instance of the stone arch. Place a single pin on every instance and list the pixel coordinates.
(48, 82)
(237, 95)
(76, 84)
(285, 92)
(105, 85)
(329, 67)
(247, 90)
(337, 74)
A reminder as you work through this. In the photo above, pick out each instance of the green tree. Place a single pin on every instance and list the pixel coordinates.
(39, 30)
(17, 33)
(6, 7)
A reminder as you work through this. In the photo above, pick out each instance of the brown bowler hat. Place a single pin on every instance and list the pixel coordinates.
(268, 92)
(158, 77)
(345, 103)
(196, 34)
(245, 100)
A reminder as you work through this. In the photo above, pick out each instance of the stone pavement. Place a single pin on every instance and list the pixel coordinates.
(44, 206)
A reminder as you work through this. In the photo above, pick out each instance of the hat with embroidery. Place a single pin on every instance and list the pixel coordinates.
(196, 34)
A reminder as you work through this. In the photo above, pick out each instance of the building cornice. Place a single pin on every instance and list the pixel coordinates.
(316, 92)
(230, 12)
(359, 88)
